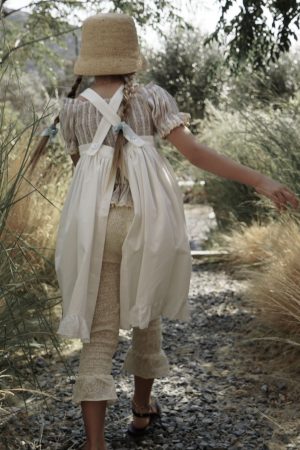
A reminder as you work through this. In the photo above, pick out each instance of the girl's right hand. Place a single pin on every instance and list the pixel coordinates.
(208, 159)
(280, 195)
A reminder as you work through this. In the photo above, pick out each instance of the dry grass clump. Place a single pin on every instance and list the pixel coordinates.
(36, 210)
(274, 289)
(251, 246)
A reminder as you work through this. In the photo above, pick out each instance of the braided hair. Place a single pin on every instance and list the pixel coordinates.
(118, 166)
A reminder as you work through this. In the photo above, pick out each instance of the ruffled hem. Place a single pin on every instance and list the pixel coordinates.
(174, 121)
(164, 109)
(74, 327)
(94, 388)
(146, 366)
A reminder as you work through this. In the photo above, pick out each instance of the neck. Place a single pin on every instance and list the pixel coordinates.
(103, 80)
(107, 85)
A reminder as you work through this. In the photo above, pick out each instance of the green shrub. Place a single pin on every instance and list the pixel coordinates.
(191, 72)
(267, 140)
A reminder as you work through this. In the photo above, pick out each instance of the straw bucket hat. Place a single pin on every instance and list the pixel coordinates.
(109, 46)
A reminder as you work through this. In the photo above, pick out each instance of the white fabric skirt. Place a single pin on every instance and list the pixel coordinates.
(156, 261)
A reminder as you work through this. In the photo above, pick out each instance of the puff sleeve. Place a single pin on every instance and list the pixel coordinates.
(164, 109)
(67, 126)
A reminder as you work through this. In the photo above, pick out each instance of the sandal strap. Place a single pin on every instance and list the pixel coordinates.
(137, 414)
(150, 413)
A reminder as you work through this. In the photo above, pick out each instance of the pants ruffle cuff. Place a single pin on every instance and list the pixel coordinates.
(94, 388)
(146, 366)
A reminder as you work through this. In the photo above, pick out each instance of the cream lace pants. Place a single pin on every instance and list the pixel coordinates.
(145, 358)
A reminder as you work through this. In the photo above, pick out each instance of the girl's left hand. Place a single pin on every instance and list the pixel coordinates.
(281, 195)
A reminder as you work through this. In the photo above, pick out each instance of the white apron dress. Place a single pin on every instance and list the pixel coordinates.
(156, 261)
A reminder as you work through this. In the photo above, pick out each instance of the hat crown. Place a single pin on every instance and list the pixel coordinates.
(109, 45)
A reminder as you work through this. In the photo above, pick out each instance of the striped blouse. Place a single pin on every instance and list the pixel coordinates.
(152, 110)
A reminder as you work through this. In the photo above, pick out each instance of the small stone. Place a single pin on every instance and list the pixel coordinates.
(281, 385)
(264, 388)
(40, 362)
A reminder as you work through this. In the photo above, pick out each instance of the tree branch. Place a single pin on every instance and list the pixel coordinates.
(34, 41)
(2, 3)
(33, 3)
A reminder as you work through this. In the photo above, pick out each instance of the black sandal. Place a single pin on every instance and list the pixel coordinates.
(136, 432)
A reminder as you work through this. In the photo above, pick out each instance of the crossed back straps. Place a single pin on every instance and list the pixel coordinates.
(110, 118)
(109, 113)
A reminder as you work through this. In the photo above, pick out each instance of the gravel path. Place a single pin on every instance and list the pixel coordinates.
(218, 396)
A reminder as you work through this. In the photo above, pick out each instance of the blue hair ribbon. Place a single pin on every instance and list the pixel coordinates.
(50, 131)
(119, 127)
(128, 133)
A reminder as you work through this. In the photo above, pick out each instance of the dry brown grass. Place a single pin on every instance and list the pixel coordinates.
(35, 214)
(274, 289)
(252, 245)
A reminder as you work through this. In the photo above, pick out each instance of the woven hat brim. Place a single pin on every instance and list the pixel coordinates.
(109, 65)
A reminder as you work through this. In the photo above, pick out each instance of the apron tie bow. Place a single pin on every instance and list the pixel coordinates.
(128, 133)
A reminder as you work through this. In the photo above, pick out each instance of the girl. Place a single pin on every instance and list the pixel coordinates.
(122, 254)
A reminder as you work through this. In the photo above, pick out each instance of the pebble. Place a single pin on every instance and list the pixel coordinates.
(264, 388)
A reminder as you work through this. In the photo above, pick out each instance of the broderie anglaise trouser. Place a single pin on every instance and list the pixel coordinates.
(145, 358)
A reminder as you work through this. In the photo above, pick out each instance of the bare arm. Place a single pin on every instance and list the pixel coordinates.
(208, 159)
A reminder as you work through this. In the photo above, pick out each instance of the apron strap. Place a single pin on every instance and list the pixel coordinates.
(106, 109)
(105, 122)
(110, 117)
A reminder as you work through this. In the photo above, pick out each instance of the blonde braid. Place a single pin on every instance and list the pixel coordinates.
(118, 157)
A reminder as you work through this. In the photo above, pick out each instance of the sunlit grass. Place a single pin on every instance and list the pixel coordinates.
(268, 256)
